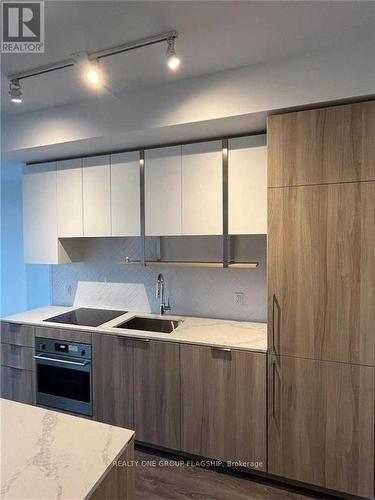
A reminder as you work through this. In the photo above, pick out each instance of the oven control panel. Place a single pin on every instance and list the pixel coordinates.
(70, 349)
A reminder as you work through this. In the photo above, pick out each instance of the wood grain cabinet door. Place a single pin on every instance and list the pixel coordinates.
(157, 393)
(224, 405)
(321, 272)
(321, 424)
(113, 380)
(334, 144)
(18, 385)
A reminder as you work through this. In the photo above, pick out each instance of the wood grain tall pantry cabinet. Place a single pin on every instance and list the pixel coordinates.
(321, 296)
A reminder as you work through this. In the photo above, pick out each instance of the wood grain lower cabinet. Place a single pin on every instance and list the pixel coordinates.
(17, 334)
(321, 424)
(17, 356)
(157, 393)
(18, 385)
(63, 334)
(224, 404)
(113, 380)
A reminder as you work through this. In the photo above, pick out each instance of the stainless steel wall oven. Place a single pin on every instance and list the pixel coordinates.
(63, 375)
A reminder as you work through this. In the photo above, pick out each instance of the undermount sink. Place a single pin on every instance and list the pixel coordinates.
(156, 325)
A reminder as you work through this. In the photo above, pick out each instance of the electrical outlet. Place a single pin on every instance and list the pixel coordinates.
(68, 290)
(239, 298)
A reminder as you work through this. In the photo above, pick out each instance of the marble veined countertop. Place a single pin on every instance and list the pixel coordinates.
(202, 331)
(46, 454)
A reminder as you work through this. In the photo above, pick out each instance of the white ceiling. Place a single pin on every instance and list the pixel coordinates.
(213, 36)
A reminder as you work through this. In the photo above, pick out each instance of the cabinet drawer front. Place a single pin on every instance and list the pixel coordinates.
(62, 334)
(18, 385)
(15, 356)
(14, 333)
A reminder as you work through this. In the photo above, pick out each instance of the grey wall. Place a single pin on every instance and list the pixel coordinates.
(193, 291)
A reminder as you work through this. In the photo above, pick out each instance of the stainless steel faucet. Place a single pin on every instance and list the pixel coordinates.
(160, 292)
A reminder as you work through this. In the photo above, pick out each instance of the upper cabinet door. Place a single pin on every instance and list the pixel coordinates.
(96, 196)
(202, 188)
(318, 146)
(40, 214)
(247, 185)
(69, 199)
(163, 191)
(321, 278)
(125, 194)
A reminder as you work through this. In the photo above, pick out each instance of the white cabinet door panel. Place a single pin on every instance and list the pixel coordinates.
(247, 179)
(163, 191)
(125, 194)
(40, 214)
(69, 199)
(96, 196)
(202, 191)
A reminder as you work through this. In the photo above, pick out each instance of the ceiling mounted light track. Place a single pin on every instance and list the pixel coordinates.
(92, 59)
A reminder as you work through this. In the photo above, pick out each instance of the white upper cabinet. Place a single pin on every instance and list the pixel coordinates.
(125, 194)
(96, 190)
(202, 190)
(163, 191)
(39, 214)
(69, 199)
(247, 179)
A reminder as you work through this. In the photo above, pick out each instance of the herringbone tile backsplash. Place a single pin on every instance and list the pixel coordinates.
(193, 291)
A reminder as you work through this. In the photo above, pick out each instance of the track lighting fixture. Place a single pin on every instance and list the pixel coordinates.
(172, 60)
(89, 63)
(15, 91)
(89, 69)
(92, 75)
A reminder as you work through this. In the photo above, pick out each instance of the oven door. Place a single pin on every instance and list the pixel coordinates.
(64, 383)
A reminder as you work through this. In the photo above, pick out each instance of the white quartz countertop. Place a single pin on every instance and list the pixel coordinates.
(202, 331)
(46, 454)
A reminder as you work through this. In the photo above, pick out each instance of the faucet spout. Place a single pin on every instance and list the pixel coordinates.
(160, 294)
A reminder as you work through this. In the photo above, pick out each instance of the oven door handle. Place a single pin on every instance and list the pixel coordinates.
(64, 361)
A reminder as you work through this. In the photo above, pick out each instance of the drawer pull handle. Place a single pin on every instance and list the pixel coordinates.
(225, 349)
(141, 340)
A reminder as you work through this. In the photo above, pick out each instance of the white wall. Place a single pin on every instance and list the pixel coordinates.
(224, 98)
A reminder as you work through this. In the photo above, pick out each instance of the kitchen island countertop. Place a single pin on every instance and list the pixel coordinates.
(46, 454)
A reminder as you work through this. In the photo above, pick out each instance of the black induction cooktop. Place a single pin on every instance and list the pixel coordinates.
(85, 316)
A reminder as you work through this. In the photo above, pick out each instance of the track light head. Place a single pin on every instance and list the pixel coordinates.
(172, 60)
(15, 91)
(90, 69)
(93, 74)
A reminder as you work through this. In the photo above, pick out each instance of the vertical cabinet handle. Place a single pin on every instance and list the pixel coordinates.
(273, 383)
(275, 330)
(275, 393)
